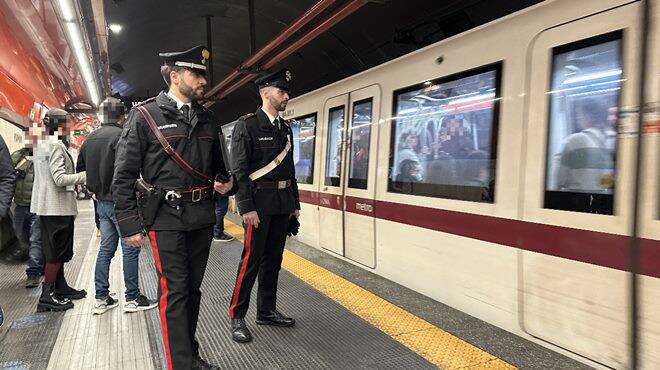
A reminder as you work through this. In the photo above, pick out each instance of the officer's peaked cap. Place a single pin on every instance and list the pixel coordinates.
(281, 79)
(196, 58)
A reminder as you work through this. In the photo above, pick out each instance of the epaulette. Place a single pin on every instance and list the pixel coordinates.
(145, 102)
(248, 116)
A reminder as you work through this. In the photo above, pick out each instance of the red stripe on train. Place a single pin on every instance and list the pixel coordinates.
(597, 248)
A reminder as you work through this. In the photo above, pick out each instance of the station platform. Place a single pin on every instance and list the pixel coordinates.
(347, 318)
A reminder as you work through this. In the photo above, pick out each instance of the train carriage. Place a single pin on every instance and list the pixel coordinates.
(493, 171)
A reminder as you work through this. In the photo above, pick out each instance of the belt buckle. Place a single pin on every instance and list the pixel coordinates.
(173, 198)
(196, 195)
(281, 185)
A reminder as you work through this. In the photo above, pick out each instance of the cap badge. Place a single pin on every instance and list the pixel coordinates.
(288, 76)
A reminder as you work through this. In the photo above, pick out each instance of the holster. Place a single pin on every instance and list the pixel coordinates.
(149, 200)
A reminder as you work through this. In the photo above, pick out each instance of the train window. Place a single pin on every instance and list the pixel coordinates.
(359, 148)
(333, 155)
(444, 136)
(581, 152)
(304, 137)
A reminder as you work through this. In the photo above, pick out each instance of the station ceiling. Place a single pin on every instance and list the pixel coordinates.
(378, 32)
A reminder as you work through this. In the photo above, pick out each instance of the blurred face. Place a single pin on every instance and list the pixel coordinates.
(414, 169)
(412, 140)
(190, 83)
(275, 97)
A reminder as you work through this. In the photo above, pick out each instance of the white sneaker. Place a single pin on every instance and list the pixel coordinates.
(142, 303)
(101, 306)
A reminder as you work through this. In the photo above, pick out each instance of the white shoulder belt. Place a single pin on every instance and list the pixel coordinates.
(274, 163)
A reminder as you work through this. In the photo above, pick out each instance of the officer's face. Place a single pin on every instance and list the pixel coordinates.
(277, 97)
(191, 84)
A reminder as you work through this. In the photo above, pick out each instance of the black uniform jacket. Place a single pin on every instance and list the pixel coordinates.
(139, 152)
(97, 158)
(255, 142)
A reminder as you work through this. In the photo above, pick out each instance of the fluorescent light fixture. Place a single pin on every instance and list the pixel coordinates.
(593, 76)
(115, 28)
(68, 13)
(78, 47)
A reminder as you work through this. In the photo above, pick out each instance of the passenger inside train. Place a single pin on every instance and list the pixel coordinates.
(403, 185)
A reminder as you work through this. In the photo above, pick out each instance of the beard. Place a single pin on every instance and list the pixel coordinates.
(190, 93)
(280, 106)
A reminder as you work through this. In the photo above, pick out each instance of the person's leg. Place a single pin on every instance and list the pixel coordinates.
(221, 206)
(198, 243)
(171, 259)
(107, 249)
(64, 238)
(36, 261)
(271, 264)
(248, 268)
(49, 299)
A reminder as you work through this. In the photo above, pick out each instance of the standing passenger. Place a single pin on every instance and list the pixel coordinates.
(7, 180)
(262, 160)
(26, 223)
(97, 158)
(183, 167)
(54, 201)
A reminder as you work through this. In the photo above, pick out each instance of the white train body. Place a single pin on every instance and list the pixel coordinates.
(527, 258)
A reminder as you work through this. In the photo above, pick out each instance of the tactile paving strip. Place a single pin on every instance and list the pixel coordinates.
(27, 338)
(434, 344)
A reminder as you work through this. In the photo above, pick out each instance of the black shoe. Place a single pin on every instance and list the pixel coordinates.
(275, 318)
(71, 293)
(239, 331)
(200, 363)
(224, 237)
(50, 301)
(32, 281)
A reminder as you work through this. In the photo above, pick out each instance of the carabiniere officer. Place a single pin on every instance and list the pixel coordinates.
(262, 161)
(182, 230)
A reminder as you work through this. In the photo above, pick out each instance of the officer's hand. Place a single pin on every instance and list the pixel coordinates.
(251, 218)
(136, 240)
(223, 188)
(296, 213)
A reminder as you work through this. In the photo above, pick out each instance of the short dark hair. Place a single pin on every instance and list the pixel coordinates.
(165, 72)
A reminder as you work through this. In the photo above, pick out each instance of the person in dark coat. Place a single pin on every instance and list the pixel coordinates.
(182, 230)
(26, 223)
(262, 161)
(8, 240)
(97, 158)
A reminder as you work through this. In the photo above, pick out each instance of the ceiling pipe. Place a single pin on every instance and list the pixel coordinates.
(348, 9)
(294, 27)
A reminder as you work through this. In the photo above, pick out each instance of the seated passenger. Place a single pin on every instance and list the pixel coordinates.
(409, 171)
(475, 169)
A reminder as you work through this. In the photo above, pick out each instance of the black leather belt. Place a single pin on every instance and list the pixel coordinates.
(175, 197)
(272, 184)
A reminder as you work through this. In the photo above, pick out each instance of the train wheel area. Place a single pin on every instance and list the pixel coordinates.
(346, 318)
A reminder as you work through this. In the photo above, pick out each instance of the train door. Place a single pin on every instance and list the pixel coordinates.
(579, 182)
(347, 223)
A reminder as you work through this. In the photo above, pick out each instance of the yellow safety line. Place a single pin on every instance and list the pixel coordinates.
(432, 343)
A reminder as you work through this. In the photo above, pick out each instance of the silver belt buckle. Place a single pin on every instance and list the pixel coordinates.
(281, 185)
(173, 198)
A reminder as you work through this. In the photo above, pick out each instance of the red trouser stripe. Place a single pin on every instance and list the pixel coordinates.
(163, 299)
(241, 273)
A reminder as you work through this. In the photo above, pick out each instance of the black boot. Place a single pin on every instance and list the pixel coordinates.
(239, 331)
(50, 301)
(63, 289)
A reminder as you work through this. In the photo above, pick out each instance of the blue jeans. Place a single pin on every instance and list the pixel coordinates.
(221, 205)
(28, 231)
(110, 237)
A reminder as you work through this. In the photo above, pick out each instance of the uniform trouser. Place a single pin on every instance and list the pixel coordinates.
(180, 258)
(262, 256)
